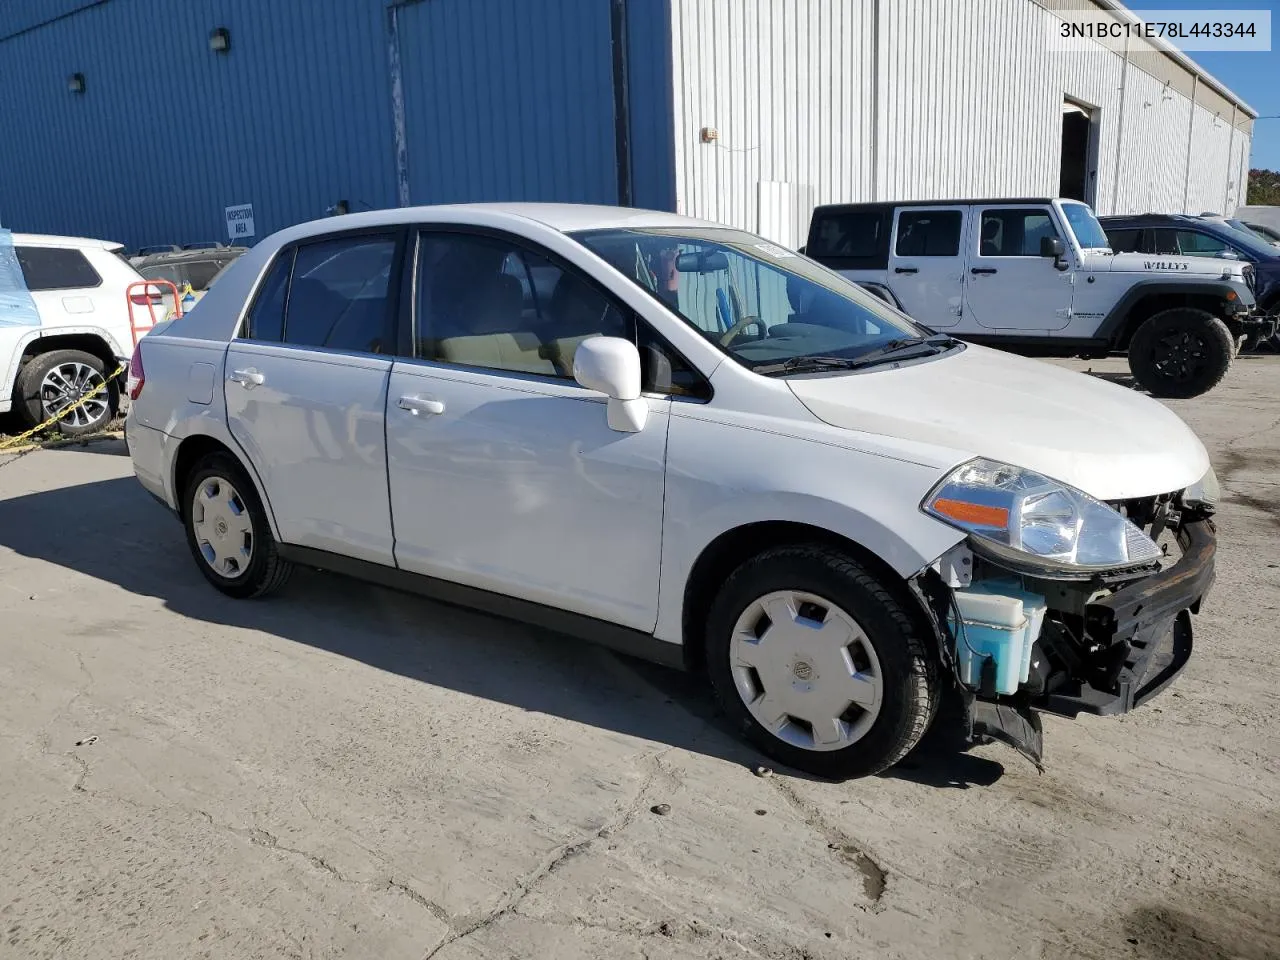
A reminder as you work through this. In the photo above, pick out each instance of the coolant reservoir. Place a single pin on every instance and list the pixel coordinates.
(999, 622)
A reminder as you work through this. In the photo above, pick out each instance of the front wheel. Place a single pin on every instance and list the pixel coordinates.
(1181, 353)
(228, 532)
(818, 664)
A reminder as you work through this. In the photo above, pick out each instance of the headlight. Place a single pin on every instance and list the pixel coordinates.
(1204, 491)
(1033, 522)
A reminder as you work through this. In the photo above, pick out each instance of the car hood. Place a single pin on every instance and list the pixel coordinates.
(1156, 263)
(1106, 440)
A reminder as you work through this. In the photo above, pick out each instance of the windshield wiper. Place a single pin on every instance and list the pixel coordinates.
(893, 350)
(796, 364)
(905, 349)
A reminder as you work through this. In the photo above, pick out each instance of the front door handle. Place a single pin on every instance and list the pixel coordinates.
(418, 404)
(247, 378)
(906, 269)
(982, 270)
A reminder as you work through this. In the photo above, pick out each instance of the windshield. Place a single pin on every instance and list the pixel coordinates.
(1245, 239)
(1088, 231)
(760, 303)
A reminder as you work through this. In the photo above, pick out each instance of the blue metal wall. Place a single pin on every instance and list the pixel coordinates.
(167, 133)
(502, 99)
(652, 104)
(509, 100)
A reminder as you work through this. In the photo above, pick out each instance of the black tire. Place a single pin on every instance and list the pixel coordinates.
(30, 401)
(1181, 353)
(265, 571)
(909, 672)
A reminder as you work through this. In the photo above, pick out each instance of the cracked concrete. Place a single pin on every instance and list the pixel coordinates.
(346, 772)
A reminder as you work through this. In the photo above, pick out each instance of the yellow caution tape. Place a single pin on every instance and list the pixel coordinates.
(14, 441)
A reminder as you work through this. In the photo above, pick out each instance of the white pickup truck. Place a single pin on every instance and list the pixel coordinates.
(1037, 276)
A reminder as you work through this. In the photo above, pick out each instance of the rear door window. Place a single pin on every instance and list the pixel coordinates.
(339, 295)
(56, 268)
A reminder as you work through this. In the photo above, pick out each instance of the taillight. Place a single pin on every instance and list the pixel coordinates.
(153, 295)
(137, 375)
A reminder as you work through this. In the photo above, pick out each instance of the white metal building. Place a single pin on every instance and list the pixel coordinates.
(784, 104)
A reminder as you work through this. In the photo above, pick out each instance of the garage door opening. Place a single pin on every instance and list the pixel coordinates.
(1079, 152)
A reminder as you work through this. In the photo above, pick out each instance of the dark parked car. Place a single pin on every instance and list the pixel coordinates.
(196, 267)
(1173, 234)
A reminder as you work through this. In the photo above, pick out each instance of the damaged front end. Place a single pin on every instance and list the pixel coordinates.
(1030, 624)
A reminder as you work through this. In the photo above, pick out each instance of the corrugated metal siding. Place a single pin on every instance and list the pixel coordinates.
(651, 104)
(509, 100)
(1153, 155)
(1211, 163)
(787, 86)
(948, 112)
(167, 133)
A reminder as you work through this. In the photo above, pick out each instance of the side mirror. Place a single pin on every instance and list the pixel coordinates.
(611, 365)
(1053, 247)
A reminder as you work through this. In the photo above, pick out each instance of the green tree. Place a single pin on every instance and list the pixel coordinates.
(1264, 188)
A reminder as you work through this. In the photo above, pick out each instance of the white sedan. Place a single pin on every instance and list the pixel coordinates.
(693, 445)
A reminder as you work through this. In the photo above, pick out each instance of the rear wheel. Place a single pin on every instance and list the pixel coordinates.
(228, 532)
(817, 663)
(1181, 353)
(66, 380)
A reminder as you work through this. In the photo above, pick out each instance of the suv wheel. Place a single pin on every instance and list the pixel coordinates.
(54, 381)
(1181, 353)
(227, 530)
(817, 663)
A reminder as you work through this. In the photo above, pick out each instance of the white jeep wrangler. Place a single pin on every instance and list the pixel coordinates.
(1037, 276)
(67, 320)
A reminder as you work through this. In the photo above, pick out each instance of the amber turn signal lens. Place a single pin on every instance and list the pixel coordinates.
(975, 513)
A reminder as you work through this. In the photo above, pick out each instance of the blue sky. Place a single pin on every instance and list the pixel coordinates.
(1255, 77)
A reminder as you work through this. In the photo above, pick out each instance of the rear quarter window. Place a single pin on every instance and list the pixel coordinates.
(56, 268)
(851, 239)
(1123, 240)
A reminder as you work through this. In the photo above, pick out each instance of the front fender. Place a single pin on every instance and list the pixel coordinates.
(721, 477)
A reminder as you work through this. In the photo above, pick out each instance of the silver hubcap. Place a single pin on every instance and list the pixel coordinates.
(67, 383)
(223, 529)
(806, 671)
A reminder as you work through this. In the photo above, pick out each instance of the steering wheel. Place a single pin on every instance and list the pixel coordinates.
(733, 332)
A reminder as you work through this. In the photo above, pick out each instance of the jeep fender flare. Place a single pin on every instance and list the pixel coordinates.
(1116, 326)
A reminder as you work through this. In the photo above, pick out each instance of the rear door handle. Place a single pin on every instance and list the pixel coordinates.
(981, 270)
(906, 269)
(418, 404)
(247, 378)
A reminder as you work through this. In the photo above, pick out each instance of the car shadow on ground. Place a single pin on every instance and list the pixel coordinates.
(113, 531)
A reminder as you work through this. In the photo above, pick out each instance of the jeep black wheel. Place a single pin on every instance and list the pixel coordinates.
(1181, 353)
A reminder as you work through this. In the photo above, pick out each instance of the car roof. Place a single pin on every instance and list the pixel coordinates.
(564, 217)
(49, 240)
(183, 256)
(1163, 220)
(884, 204)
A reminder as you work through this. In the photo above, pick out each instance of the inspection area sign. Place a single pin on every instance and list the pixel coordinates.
(240, 221)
